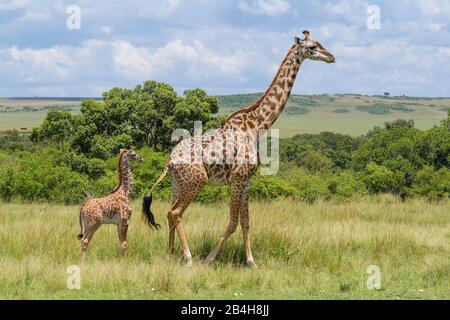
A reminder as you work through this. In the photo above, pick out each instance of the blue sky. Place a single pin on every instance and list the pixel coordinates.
(227, 46)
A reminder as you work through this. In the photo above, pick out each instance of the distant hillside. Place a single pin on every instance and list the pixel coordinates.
(352, 114)
(343, 113)
(369, 104)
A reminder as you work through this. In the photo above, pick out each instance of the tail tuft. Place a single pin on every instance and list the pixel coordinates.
(146, 203)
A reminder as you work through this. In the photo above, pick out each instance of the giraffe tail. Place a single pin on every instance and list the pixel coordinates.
(80, 236)
(148, 214)
(147, 201)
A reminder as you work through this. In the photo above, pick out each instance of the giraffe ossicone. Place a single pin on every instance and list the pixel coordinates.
(238, 152)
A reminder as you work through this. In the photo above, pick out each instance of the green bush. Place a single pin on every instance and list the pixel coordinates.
(36, 177)
(431, 183)
(270, 187)
(376, 109)
(106, 147)
(211, 194)
(379, 179)
(308, 187)
(347, 184)
(341, 110)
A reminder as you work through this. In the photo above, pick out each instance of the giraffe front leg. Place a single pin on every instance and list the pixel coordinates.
(236, 202)
(91, 227)
(122, 229)
(231, 228)
(245, 226)
(171, 232)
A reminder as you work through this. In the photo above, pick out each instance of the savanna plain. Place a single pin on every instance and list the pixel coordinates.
(303, 251)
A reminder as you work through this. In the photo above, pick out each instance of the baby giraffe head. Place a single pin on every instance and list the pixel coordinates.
(311, 49)
(130, 154)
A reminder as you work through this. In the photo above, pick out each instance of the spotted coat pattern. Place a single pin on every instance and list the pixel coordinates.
(115, 208)
(224, 157)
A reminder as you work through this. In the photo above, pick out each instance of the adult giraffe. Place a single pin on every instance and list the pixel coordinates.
(228, 155)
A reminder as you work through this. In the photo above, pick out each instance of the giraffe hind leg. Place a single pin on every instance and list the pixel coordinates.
(188, 188)
(245, 226)
(169, 215)
(90, 228)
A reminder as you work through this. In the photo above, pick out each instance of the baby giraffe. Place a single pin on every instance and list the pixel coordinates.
(114, 208)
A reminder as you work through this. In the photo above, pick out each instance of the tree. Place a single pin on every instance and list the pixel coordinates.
(333, 147)
(57, 127)
(399, 123)
(432, 184)
(145, 115)
(380, 179)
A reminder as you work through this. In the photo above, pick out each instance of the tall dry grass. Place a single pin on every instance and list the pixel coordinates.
(303, 251)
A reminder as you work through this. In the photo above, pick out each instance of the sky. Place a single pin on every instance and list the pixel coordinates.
(222, 46)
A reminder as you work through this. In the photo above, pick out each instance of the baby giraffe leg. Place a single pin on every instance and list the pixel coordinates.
(122, 229)
(91, 227)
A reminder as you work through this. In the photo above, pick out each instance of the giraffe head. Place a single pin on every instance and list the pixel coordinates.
(311, 49)
(130, 154)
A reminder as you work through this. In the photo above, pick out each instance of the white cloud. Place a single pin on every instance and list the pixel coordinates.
(434, 7)
(265, 7)
(202, 43)
(107, 29)
(192, 62)
(388, 65)
(154, 9)
(13, 4)
(99, 63)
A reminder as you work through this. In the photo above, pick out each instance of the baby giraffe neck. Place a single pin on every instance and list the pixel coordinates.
(125, 176)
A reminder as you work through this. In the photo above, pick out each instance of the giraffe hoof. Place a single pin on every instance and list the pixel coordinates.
(209, 260)
(252, 264)
(188, 263)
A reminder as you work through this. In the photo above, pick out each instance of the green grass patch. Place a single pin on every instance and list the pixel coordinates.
(319, 251)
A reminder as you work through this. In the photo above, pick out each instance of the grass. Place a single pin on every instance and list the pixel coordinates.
(303, 252)
(18, 113)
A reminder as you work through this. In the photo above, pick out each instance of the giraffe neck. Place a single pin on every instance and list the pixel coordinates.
(277, 94)
(266, 110)
(125, 176)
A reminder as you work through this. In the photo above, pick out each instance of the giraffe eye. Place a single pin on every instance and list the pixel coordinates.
(312, 47)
